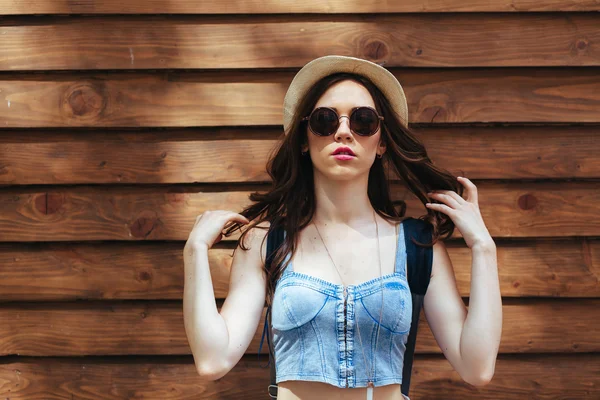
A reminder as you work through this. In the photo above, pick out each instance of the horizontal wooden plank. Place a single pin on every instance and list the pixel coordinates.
(32, 214)
(146, 328)
(232, 98)
(241, 154)
(178, 156)
(28, 7)
(524, 376)
(562, 267)
(415, 40)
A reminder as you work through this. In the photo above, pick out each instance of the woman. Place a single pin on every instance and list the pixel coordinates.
(342, 264)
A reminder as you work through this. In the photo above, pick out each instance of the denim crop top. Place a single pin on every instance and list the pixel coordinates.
(315, 332)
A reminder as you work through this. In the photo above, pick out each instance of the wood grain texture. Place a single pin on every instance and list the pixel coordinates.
(561, 267)
(178, 156)
(231, 98)
(244, 42)
(519, 209)
(519, 377)
(28, 7)
(219, 155)
(156, 328)
(97, 198)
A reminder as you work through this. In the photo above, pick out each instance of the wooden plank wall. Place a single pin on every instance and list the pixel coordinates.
(120, 122)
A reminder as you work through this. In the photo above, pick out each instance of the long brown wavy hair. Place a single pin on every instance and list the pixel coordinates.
(290, 202)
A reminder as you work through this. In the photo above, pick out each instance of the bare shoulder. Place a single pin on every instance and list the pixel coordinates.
(255, 241)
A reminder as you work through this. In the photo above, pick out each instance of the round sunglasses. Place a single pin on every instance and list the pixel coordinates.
(324, 121)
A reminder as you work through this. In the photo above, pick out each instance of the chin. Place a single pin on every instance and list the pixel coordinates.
(343, 174)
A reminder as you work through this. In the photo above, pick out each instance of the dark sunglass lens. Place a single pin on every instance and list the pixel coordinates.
(323, 121)
(364, 121)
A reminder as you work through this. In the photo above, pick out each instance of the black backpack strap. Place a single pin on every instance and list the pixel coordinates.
(272, 388)
(274, 240)
(419, 261)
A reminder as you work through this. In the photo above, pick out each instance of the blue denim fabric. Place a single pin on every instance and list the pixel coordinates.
(315, 337)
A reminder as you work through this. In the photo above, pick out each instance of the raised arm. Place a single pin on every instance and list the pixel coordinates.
(218, 339)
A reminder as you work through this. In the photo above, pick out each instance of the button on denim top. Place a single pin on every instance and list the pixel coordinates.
(314, 328)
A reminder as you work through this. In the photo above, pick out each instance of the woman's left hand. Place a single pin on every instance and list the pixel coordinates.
(464, 213)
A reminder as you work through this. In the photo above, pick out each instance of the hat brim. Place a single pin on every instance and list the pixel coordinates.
(321, 67)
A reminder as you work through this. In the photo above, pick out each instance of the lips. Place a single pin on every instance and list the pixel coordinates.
(343, 150)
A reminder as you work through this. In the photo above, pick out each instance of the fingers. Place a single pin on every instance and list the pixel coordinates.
(226, 214)
(242, 219)
(231, 216)
(218, 239)
(472, 195)
(441, 208)
(448, 197)
(452, 201)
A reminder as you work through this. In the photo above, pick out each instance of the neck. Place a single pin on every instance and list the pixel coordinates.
(342, 202)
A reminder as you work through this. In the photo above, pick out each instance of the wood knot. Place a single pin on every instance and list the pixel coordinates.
(527, 202)
(376, 50)
(143, 226)
(581, 44)
(144, 276)
(84, 100)
(49, 203)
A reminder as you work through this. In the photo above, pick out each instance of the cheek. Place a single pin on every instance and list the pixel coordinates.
(369, 145)
(317, 144)
(373, 146)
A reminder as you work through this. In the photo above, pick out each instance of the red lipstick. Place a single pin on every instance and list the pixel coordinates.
(343, 153)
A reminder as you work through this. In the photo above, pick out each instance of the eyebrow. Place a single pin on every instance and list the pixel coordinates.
(351, 108)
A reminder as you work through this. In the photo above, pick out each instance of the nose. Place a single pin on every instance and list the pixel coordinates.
(343, 130)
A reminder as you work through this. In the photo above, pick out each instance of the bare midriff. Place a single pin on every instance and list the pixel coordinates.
(305, 390)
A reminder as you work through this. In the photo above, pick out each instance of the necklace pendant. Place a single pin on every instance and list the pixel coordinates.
(370, 390)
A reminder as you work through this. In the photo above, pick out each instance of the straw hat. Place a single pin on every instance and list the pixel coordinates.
(327, 65)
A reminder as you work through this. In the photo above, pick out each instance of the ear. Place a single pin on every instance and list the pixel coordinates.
(381, 148)
(304, 144)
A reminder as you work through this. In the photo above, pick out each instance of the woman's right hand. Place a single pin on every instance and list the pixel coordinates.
(208, 228)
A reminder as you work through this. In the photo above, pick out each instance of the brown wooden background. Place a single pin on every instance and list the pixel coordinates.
(120, 122)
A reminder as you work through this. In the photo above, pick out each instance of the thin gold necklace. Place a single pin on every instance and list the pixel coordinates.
(370, 384)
